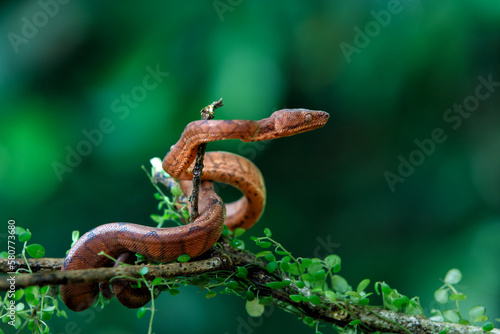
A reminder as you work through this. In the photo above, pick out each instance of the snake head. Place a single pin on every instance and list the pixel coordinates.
(289, 122)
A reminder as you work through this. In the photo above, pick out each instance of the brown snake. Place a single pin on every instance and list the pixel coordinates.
(122, 240)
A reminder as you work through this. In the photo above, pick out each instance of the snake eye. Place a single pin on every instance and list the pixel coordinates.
(308, 118)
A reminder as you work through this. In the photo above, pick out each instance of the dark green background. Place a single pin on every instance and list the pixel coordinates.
(261, 56)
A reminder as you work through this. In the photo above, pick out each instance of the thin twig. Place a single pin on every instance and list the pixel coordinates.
(207, 113)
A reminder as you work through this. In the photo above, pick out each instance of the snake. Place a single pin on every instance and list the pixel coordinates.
(122, 241)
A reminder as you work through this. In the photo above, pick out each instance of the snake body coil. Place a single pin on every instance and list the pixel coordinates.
(167, 244)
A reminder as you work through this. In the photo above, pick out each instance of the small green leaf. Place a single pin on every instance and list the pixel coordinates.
(458, 296)
(274, 285)
(242, 272)
(232, 285)
(453, 276)
(263, 244)
(476, 311)
(401, 302)
(270, 257)
(300, 284)
(35, 250)
(364, 301)
(451, 316)
(332, 260)
(285, 266)
(308, 320)
(481, 318)
(280, 252)
(304, 263)
(24, 236)
(141, 312)
(355, 322)
(173, 292)
(176, 191)
(184, 258)
(4, 255)
(157, 281)
(363, 285)
(144, 270)
(254, 308)
(19, 230)
(489, 326)
(238, 232)
(331, 295)
(210, 294)
(315, 300)
(296, 298)
(266, 301)
(339, 284)
(250, 295)
(272, 266)
(267, 232)
(386, 289)
(157, 219)
(263, 253)
(441, 296)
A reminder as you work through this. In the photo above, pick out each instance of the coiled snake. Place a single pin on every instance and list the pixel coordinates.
(122, 240)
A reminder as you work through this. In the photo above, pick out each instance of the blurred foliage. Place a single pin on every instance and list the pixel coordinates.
(327, 189)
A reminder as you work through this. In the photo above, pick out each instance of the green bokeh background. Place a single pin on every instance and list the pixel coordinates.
(324, 187)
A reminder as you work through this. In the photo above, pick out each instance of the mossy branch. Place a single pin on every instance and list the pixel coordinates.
(227, 260)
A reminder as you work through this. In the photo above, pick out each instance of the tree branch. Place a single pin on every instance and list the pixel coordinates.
(225, 261)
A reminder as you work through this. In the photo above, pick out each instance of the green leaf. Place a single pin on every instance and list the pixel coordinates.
(274, 285)
(308, 320)
(401, 302)
(263, 253)
(184, 258)
(144, 270)
(32, 295)
(157, 281)
(280, 252)
(458, 296)
(453, 276)
(272, 266)
(242, 272)
(300, 284)
(315, 300)
(339, 284)
(238, 232)
(263, 244)
(4, 255)
(19, 230)
(451, 316)
(141, 312)
(35, 250)
(254, 308)
(176, 191)
(331, 295)
(304, 263)
(355, 322)
(210, 294)
(24, 236)
(386, 289)
(364, 301)
(296, 298)
(489, 326)
(441, 296)
(270, 257)
(332, 260)
(232, 285)
(285, 266)
(476, 311)
(157, 219)
(266, 301)
(250, 295)
(267, 232)
(481, 318)
(173, 292)
(363, 285)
